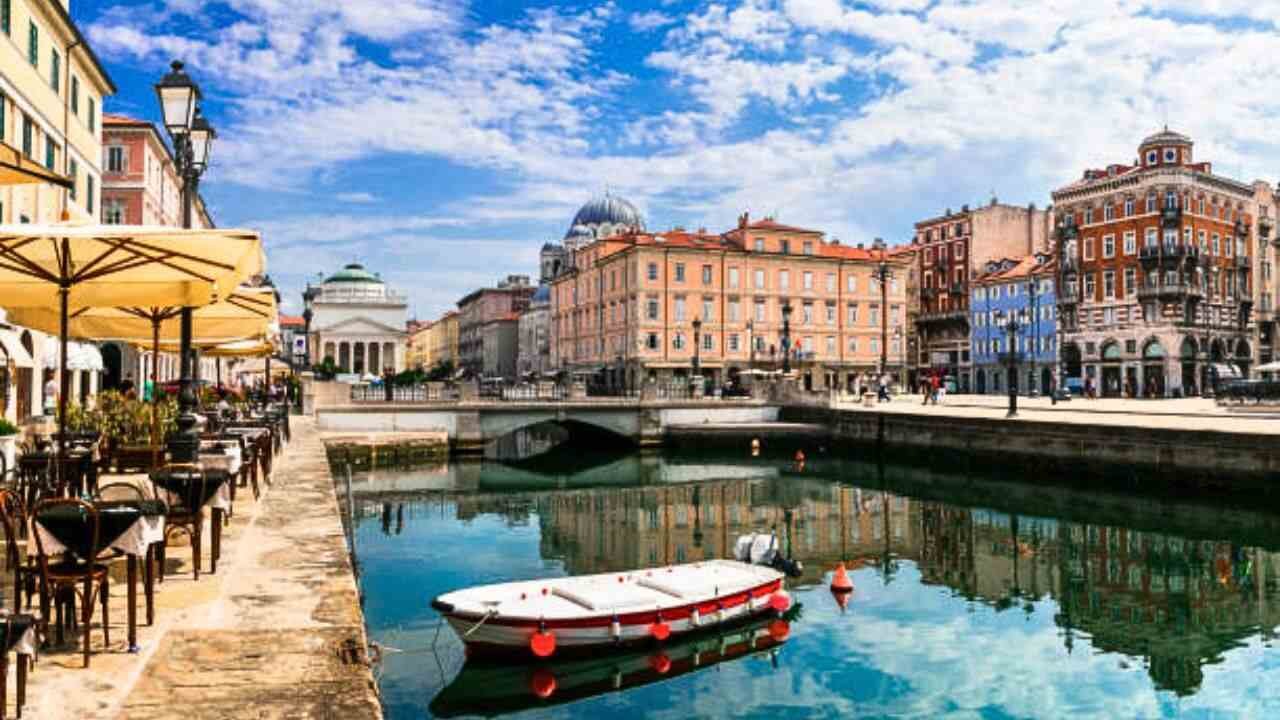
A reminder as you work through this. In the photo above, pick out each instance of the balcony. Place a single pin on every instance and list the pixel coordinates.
(1242, 228)
(1264, 227)
(1170, 291)
(1241, 262)
(958, 289)
(1068, 294)
(942, 317)
(1171, 217)
(929, 294)
(1149, 256)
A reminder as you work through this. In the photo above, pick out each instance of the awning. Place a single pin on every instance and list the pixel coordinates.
(1226, 371)
(80, 356)
(17, 169)
(12, 346)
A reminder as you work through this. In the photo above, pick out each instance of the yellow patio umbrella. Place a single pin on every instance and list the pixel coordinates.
(18, 169)
(71, 266)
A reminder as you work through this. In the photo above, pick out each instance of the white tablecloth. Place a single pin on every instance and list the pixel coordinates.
(134, 541)
(229, 459)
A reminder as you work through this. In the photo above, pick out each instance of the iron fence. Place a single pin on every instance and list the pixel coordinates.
(1244, 391)
(422, 393)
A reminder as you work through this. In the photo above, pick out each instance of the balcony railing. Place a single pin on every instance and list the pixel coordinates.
(957, 289)
(1242, 262)
(1068, 294)
(1179, 290)
(1171, 217)
(1069, 266)
(948, 315)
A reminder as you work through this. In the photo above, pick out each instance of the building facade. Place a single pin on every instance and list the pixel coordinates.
(358, 322)
(535, 335)
(51, 93)
(625, 313)
(442, 339)
(140, 183)
(1157, 285)
(417, 345)
(1021, 289)
(488, 328)
(951, 249)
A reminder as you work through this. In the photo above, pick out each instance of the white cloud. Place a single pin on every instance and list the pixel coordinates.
(356, 198)
(651, 20)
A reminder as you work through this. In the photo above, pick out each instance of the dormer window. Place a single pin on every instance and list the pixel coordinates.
(1152, 157)
(1170, 155)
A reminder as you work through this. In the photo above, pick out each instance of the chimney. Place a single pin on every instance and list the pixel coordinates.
(860, 246)
(948, 213)
(743, 219)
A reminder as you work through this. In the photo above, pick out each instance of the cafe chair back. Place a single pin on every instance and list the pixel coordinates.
(18, 558)
(186, 510)
(66, 579)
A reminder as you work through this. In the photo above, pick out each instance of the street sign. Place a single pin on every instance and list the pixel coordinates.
(300, 345)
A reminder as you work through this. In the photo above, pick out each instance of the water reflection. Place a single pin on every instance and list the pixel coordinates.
(1172, 605)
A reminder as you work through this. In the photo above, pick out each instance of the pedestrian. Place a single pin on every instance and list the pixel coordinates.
(1053, 390)
(50, 393)
(926, 388)
(940, 390)
(883, 395)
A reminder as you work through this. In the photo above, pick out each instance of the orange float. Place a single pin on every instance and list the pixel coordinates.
(780, 601)
(779, 630)
(543, 683)
(542, 643)
(840, 581)
(660, 663)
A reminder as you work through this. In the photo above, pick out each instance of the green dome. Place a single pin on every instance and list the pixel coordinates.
(354, 272)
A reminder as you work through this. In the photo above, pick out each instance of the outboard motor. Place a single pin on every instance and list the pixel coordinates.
(762, 549)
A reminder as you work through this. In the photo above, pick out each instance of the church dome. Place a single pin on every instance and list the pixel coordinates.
(602, 217)
(1166, 137)
(353, 272)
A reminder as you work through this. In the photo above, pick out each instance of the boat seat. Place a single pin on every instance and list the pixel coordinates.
(603, 597)
(688, 585)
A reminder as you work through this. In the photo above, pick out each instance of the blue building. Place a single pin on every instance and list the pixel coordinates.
(1024, 289)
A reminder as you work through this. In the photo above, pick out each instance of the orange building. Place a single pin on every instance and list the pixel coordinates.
(626, 309)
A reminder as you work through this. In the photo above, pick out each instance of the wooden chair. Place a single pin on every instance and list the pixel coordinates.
(18, 558)
(73, 578)
(186, 514)
(11, 626)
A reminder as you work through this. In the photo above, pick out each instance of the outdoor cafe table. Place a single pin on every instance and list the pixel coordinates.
(17, 635)
(130, 526)
(80, 470)
(224, 456)
(261, 438)
(177, 485)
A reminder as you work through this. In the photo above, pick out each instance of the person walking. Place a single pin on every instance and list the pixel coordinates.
(883, 394)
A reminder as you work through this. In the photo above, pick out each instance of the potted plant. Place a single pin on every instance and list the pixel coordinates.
(9, 443)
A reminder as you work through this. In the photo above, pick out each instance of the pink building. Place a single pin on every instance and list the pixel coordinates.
(140, 185)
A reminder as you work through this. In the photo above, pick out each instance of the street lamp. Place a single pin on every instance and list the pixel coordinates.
(1033, 287)
(192, 138)
(882, 274)
(786, 338)
(1011, 327)
(697, 343)
(308, 296)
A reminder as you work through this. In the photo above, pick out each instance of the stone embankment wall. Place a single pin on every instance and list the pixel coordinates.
(1178, 457)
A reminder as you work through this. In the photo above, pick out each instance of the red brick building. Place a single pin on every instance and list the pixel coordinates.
(951, 249)
(1156, 288)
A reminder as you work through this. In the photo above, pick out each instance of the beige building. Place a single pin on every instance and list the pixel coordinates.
(51, 91)
(625, 312)
(359, 322)
(442, 339)
(417, 354)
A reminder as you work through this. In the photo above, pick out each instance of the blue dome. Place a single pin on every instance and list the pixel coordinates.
(604, 216)
(541, 295)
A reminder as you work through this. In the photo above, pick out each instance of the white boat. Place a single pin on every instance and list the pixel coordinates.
(540, 618)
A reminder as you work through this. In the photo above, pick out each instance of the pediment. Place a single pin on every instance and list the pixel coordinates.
(361, 326)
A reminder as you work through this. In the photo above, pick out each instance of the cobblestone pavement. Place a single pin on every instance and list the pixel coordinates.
(1183, 414)
(276, 633)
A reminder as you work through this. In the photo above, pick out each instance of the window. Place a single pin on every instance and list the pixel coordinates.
(1128, 207)
(733, 277)
(831, 282)
(874, 316)
(831, 346)
(92, 116)
(55, 71)
(1109, 284)
(1108, 246)
(679, 309)
(851, 314)
(759, 244)
(957, 251)
(708, 307)
(853, 345)
(1170, 199)
(1170, 155)
(928, 256)
(895, 315)
(708, 341)
(33, 44)
(1150, 240)
(679, 272)
(706, 275)
(760, 311)
(1108, 212)
(759, 279)
(1152, 157)
(758, 342)
(807, 314)
(851, 283)
(1088, 248)
(1088, 216)
(50, 153)
(28, 137)
(113, 212)
(651, 309)
(875, 346)
(733, 310)
(115, 164)
(74, 173)
(1130, 281)
(1090, 286)
(808, 280)
(785, 245)
(784, 279)
(6, 16)
(1217, 244)
(677, 341)
(1130, 242)
(733, 343)
(1151, 203)
(651, 341)
(831, 313)
(88, 195)
(808, 247)
(807, 344)
(653, 267)
(75, 94)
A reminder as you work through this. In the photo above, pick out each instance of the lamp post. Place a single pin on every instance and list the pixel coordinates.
(192, 138)
(1033, 287)
(1011, 327)
(882, 274)
(307, 313)
(697, 346)
(786, 338)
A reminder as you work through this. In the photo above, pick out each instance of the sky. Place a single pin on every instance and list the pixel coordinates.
(442, 142)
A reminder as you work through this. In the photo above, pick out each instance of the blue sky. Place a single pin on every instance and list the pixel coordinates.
(441, 142)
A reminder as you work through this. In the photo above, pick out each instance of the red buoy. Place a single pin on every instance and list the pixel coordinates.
(660, 630)
(543, 683)
(841, 598)
(543, 643)
(779, 630)
(840, 581)
(780, 601)
(660, 663)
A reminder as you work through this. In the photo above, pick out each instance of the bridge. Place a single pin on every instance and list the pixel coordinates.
(471, 423)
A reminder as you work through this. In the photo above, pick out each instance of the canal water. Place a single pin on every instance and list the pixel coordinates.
(974, 595)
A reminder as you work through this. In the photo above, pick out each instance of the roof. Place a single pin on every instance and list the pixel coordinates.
(605, 210)
(353, 272)
(291, 321)
(1166, 137)
(1026, 267)
(768, 223)
(119, 119)
(80, 39)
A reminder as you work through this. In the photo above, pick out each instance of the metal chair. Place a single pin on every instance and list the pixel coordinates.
(71, 578)
(13, 517)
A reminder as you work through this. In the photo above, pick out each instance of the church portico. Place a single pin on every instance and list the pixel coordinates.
(359, 323)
